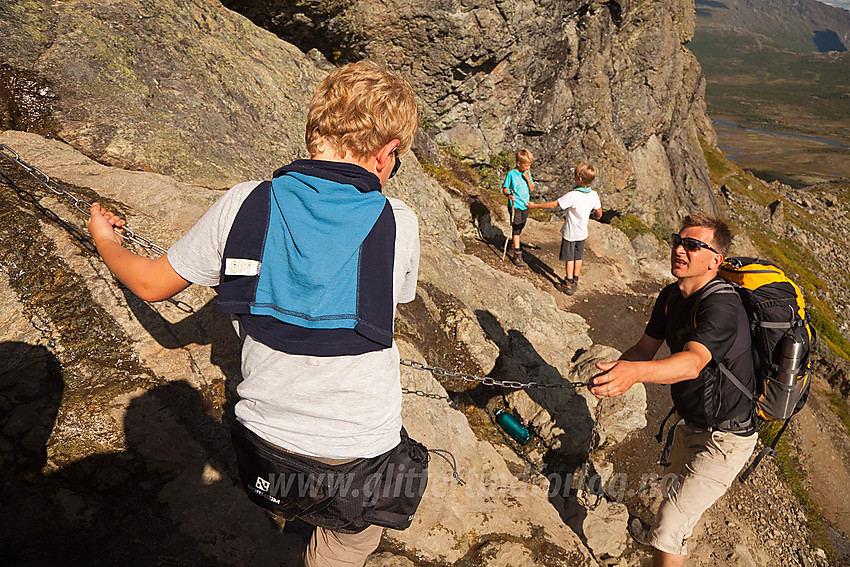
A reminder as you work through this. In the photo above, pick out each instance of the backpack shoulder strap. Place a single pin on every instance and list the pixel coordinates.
(725, 287)
(712, 287)
(738, 384)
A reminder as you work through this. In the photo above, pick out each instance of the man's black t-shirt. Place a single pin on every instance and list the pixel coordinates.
(710, 400)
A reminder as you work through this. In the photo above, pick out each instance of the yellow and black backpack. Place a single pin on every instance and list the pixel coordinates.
(781, 341)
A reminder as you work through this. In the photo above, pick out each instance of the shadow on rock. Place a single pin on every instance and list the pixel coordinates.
(205, 326)
(554, 411)
(163, 500)
(541, 268)
(30, 394)
(558, 416)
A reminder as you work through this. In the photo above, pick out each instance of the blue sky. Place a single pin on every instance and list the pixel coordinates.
(838, 3)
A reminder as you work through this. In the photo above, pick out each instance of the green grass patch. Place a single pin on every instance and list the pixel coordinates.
(444, 176)
(503, 161)
(492, 176)
(630, 225)
(491, 179)
(840, 408)
(791, 471)
(828, 331)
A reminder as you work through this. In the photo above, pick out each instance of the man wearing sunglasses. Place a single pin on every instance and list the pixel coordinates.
(702, 320)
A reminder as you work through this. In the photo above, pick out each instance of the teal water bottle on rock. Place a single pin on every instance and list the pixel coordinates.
(512, 426)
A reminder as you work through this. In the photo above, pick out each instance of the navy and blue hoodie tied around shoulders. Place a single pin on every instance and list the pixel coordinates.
(324, 237)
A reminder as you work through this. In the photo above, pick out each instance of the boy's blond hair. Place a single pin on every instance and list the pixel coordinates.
(360, 108)
(585, 173)
(524, 156)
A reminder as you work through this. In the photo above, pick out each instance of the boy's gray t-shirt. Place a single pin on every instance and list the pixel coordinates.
(341, 407)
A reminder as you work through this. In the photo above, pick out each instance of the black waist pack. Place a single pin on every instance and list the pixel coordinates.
(383, 490)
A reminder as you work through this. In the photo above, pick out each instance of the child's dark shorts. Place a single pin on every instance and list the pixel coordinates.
(518, 219)
(571, 250)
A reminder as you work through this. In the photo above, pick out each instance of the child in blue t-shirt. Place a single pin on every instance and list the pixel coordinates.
(518, 187)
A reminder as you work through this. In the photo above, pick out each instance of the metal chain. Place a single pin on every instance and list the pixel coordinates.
(81, 205)
(487, 380)
(422, 394)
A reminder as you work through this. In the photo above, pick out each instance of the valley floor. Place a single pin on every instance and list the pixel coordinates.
(804, 161)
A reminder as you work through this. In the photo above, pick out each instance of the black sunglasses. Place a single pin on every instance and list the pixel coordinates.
(396, 166)
(689, 244)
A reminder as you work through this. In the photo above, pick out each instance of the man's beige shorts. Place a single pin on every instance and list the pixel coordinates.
(706, 464)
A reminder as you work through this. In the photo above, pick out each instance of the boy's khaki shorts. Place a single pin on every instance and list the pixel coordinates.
(706, 464)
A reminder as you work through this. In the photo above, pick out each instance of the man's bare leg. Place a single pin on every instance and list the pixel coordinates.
(663, 559)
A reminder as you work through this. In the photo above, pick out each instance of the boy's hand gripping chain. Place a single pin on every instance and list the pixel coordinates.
(81, 205)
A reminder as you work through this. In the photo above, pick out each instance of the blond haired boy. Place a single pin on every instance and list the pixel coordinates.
(518, 186)
(581, 203)
(311, 266)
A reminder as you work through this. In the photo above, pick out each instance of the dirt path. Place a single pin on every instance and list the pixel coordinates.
(825, 452)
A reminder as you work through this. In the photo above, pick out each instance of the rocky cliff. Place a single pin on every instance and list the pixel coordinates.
(606, 82)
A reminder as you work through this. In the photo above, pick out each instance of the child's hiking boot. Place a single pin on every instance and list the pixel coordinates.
(517, 258)
(566, 286)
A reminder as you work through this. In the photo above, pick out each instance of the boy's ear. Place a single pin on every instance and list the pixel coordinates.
(382, 158)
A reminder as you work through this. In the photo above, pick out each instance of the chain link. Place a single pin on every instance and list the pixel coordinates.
(81, 205)
(422, 394)
(488, 380)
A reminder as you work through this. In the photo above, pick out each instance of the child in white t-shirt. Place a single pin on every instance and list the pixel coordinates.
(581, 203)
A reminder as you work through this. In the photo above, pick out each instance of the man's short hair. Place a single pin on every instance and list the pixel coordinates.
(524, 156)
(722, 235)
(585, 173)
(360, 108)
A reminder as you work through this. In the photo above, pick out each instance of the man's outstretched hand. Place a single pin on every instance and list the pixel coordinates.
(616, 378)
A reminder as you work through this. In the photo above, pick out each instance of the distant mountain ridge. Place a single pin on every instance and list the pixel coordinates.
(798, 25)
(839, 4)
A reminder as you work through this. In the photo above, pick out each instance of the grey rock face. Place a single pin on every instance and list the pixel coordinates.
(184, 88)
(573, 81)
